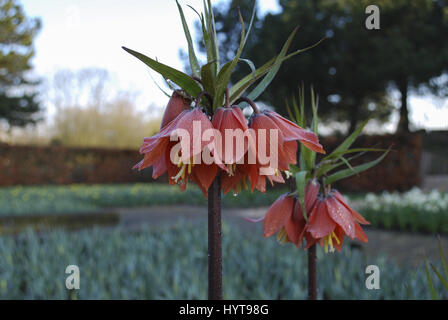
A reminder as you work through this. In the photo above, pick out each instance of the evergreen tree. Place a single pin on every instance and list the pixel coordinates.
(355, 68)
(18, 104)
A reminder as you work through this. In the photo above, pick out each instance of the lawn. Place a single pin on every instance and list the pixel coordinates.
(90, 198)
(411, 211)
(170, 262)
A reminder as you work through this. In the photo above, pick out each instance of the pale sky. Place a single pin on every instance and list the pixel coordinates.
(89, 33)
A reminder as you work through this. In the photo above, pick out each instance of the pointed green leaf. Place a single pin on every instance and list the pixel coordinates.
(349, 141)
(194, 64)
(243, 84)
(341, 153)
(271, 74)
(292, 54)
(314, 105)
(208, 81)
(306, 158)
(223, 77)
(181, 79)
(302, 106)
(252, 18)
(441, 278)
(442, 257)
(408, 291)
(250, 64)
(430, 283)
(211, 32)
(297, 112)
(348, 165)
(329, 165)
(288, 109)
(349, 172)
(160, 88)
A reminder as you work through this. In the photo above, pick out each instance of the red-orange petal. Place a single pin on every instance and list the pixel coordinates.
(341, 216)
(358, 217)
(176, 105)
(360, 233)
(291, 131)
(320, 223)
(276, 216)
(340, 234)
(311, 192)
(226, 119)
(203, 175)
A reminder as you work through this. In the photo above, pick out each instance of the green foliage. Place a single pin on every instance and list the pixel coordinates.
(170, 262)
(17, 33)
(442, 278)
(90, 198)
(333, 160)
(181, 79)
(414, 211)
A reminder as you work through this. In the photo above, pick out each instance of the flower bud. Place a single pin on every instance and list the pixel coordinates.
(178, 103)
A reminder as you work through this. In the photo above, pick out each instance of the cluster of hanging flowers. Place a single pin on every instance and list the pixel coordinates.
(239, 148)
(328, 219)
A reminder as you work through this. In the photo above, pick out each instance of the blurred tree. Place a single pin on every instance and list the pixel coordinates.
(413, 46)
(89, 115)
(18, 104)
(355, 68)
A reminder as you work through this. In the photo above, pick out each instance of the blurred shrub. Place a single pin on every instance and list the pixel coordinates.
(27, 165)
(400, 170)
(117, 125)
(61, 165)
(171, 263)
(413, 210)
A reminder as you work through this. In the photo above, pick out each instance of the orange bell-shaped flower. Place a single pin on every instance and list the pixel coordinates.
(332, 219)
(186, 161)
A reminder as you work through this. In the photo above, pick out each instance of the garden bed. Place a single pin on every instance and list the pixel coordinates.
(170, 262)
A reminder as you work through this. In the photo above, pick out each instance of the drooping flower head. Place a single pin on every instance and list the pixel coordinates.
(279, 219)
(178, 148)
(329, 220)
(332, 219)
(280, 137)
(286, 217)
(178, 102)
(232, 125)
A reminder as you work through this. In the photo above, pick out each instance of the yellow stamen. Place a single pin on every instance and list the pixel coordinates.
(244, 183)
(238, 188)
(180, 174)
(276, 172)
(183, 171)
(189, 167)
(230, 167)
(328, 242)
(282, 237)
(336, 238)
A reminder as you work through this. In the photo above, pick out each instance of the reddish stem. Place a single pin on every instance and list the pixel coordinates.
(312, 273)
(250, 102)
(214, 241)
